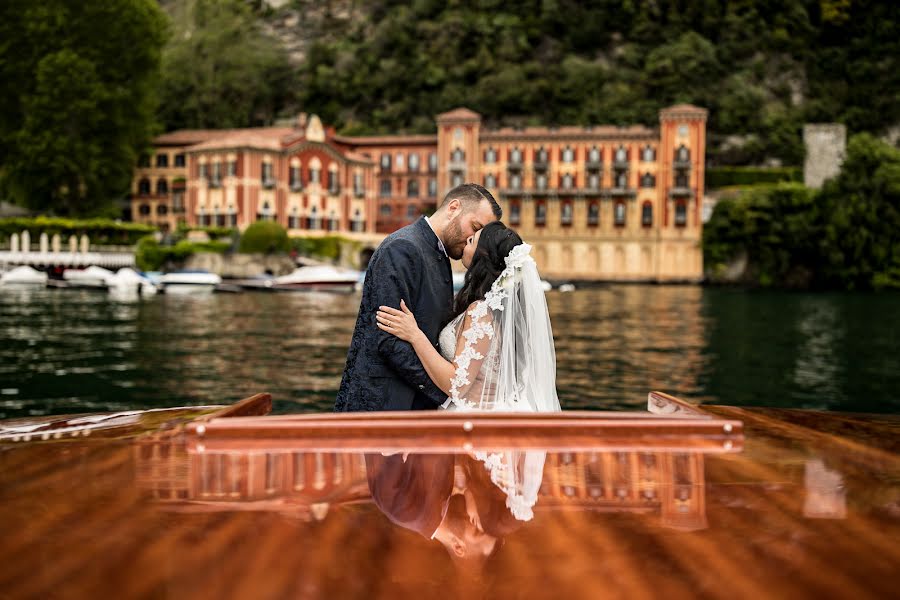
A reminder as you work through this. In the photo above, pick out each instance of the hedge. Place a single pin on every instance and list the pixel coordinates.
(719, 177)
(151, 256)
(100, 231)
(264, 237)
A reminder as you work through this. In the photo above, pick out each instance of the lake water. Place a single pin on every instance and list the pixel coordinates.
(67, 351)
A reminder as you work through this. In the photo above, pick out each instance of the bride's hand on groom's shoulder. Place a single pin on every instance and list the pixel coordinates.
(400, 323)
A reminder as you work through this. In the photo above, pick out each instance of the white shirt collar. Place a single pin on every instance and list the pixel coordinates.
(440, 243)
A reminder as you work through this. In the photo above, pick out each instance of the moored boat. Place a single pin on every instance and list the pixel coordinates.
(91, 277)
(189, 282)
(319, 278)
(23, 275)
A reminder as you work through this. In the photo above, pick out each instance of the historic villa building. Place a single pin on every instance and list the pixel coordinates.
(601, 203)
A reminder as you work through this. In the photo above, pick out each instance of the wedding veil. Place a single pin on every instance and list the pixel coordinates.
(505, 360)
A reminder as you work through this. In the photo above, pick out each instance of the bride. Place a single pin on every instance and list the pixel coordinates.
(497, 352)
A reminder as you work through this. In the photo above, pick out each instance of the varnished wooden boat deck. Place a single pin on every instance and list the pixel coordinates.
(723, 503)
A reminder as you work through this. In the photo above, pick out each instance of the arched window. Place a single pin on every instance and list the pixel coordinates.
(568, 155)
(540, 181)
(385, 189)
(682, 154)
(648, 154)
(268, 175)
(619, 214)
(315, 174)
(648, 180)
(412, 188)
(398, 161)
(432, 162)
(458, 156)
(566, 213)
(490, 181)
(515, 212)
(593, 181)
(265, 213)
(385, 210)
(413, 161)
(144, 209)
(232, 167)
(358, 188)
(490, 156)
(412, 211)
(333, 186)
(515, 156)
(144, 187)
(385, 162)
(647, 214)
(216, 179)
(593, 217)
(314, 218)
(540, 214)
(594, 155)
(456, 179)
(296, 178)
(432, 187)
(540, 157)
(293, 219)
(568, 181)
(515, 181)
(680, 213)
(621, 180)
(621, 155)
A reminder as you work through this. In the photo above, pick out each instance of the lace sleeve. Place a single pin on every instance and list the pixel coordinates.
(474, 346)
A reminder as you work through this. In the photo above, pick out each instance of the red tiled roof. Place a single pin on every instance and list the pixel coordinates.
(381, 140)
(267, 138)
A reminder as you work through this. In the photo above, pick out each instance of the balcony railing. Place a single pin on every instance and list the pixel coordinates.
(621, 164)
(681, 164)
(514, 166)
(681, 192)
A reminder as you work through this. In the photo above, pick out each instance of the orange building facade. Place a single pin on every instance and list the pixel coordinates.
(597, 203)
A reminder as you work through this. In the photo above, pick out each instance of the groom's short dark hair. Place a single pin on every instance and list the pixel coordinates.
(471, 195)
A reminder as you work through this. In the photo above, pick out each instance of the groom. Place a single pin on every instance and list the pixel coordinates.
(412, 264)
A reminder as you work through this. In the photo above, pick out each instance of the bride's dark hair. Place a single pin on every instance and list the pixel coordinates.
(494, 244)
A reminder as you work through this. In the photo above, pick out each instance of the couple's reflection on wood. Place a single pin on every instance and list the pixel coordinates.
(449, 498)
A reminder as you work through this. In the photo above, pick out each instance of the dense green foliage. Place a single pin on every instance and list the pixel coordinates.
(719, 177)
(763, 68)
(78, 99)
(221, 69)
(264, 237)
(99, 231)
(151, 256)
(845, 236)
(329, 247)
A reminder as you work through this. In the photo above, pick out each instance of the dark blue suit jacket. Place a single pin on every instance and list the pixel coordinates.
(382, 371)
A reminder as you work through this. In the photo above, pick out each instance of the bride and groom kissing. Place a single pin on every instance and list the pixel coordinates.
(417, 347)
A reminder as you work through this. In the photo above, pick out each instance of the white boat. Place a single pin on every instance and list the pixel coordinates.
(92, 277)
(566, 287)
(321, 277)
(129, 282)
(546, 285)
(189, 282)
(23, 275)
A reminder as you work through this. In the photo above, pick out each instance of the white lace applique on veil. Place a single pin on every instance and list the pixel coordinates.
(505, 361)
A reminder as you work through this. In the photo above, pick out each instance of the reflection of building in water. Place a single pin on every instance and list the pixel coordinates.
(672, 483)
(307, 483)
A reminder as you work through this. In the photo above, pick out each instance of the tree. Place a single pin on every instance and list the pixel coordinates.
(78, 101)
(860, 211)
(221, 69)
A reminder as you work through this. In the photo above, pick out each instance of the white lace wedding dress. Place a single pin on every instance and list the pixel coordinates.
(502, 350)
